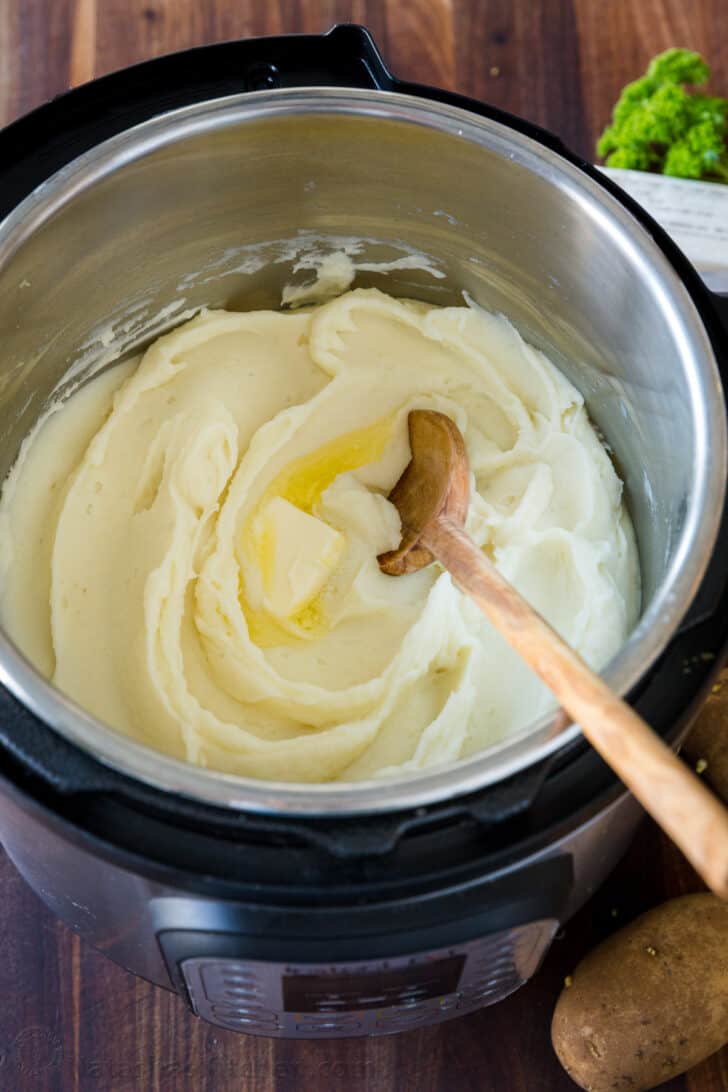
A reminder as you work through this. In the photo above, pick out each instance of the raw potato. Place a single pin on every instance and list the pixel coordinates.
(650, 1001)
(708, 740)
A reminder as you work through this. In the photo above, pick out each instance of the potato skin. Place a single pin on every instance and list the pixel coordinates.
(650, 1001)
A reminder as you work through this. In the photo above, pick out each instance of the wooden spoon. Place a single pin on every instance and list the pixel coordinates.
(432, 500)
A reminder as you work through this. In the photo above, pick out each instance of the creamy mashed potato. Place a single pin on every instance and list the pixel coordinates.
(190, 544)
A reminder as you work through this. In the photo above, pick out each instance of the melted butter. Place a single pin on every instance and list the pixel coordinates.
(303, 483)
(307, 478)
(264, 553)
(266, 632)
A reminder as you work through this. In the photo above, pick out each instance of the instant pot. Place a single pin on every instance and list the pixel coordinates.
(215, 177)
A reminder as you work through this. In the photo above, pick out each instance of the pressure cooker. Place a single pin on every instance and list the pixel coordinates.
(210, 178)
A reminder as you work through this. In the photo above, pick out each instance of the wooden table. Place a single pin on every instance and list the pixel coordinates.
(70, 1019)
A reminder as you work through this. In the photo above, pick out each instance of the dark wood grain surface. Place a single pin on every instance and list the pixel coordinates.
(71, 1021)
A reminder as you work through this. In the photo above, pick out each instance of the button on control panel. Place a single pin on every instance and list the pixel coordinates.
(376, 997)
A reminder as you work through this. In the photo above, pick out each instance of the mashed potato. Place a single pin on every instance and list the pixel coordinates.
(191, 541)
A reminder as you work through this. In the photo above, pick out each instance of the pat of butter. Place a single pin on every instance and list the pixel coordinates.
(297, 553)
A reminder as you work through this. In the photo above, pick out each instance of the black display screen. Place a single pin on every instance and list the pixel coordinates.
(371, 989)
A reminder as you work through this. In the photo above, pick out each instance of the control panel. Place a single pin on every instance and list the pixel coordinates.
(375, 997)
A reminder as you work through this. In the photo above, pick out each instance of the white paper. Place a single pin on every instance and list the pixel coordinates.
(694, 213)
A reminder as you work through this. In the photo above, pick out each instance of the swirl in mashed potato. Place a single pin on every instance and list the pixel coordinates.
(191, 542)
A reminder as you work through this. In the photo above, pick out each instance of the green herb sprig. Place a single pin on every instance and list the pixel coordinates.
(660, 126)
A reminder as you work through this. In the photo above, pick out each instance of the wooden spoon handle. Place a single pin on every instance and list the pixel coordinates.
(674, 796)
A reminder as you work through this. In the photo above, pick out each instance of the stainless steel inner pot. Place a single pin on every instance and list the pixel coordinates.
(201, 205)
